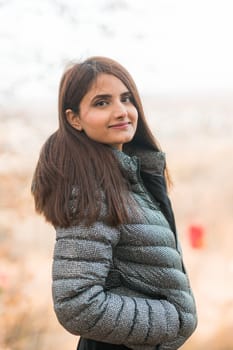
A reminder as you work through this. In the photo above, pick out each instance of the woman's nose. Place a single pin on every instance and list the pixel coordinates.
(120, 110)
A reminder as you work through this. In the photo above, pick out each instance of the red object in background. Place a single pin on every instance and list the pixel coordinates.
(196, 236)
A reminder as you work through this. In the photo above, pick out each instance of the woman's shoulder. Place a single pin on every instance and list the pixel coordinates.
(96, 232)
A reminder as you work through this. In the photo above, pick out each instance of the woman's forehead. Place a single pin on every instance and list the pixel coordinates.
(107, 84)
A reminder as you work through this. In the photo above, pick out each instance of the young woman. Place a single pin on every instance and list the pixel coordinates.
(101, 180)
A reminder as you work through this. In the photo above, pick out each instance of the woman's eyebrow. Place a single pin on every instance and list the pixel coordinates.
(107, 96)
(127, 92)
(101, 96)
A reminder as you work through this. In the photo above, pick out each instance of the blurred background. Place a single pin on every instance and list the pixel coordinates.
(180, 55)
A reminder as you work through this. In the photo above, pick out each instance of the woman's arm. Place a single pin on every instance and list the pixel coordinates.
(152, 173)
(83, 257)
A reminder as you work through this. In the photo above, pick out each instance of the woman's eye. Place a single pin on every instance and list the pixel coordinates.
(101, 103)
(126, 99)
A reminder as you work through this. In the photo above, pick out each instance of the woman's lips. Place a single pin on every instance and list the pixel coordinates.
(120, 126)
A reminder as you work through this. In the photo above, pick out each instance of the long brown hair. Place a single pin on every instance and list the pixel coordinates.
(73, 171)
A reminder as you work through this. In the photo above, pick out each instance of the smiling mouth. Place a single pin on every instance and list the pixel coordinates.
(120, 125)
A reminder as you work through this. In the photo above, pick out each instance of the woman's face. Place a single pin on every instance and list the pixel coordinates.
(106, 112)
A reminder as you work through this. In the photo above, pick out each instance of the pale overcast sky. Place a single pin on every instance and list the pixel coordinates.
(169, 46)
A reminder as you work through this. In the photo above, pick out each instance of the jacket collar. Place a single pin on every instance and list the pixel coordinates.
(129, 165)
(150, 161)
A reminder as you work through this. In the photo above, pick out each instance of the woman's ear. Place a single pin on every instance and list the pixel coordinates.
(73, 119)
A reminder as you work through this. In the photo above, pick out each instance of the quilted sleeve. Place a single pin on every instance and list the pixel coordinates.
(82, 261)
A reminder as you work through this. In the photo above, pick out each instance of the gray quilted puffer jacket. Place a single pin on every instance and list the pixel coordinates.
(127, 284)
